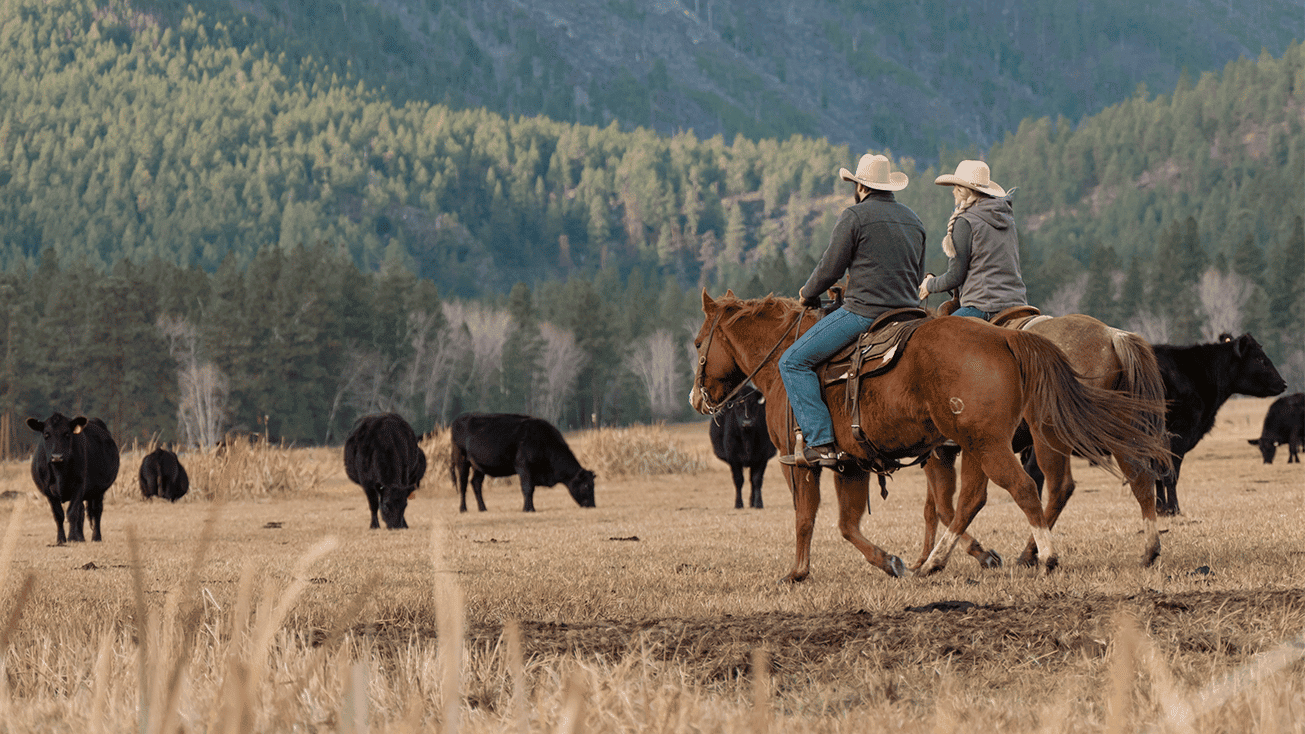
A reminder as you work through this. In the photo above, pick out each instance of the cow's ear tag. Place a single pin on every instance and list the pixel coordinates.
(78, 429)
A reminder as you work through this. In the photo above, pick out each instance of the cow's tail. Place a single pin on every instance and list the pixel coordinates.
(1089, 421)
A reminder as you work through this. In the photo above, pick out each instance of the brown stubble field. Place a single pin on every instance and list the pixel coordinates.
(656, 611)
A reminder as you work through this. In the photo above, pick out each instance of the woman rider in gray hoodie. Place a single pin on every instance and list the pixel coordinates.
(982, 245)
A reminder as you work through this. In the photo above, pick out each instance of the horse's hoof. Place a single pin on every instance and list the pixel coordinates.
(894, 567)
(790, 579)
(992, 559)
(1027, 559)
(1051, 565)
(1149, 557)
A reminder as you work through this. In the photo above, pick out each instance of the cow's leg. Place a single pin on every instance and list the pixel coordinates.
(373, 503)
(56, 507)
(94, 508)
(736, 472)
(76, 520)
(477, 480)
(853, 493)
(1167, 490)
(527, 489)
(757, 474)
(460, 484)
(804, 483)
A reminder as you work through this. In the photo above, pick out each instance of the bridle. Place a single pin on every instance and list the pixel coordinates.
(698, 382)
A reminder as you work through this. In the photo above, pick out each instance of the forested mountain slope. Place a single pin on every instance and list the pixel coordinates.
(909, 77)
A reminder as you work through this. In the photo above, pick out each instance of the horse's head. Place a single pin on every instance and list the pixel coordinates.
(718, 372)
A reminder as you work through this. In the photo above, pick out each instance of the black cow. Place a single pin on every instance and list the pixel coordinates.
(1284, 423)
(381, 455)
(501, 444)
(76, 462)
(739, 438)
(1198, 380)
(162, 475)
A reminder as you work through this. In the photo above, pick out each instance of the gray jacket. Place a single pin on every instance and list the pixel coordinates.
(880, 243)
(987, 263)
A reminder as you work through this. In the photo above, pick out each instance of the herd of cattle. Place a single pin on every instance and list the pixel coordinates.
(76, 460)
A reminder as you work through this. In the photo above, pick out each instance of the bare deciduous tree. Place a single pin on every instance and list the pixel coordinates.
(654, 360)
(1223, 297)
(487, 330)
(202, 402)
(1067, 298)
(1151, 326)
(561, 363)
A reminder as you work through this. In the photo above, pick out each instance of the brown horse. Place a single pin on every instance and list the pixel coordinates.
(959, 379)
(1105, 358)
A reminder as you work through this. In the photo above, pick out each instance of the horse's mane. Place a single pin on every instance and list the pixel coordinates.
(771, 305)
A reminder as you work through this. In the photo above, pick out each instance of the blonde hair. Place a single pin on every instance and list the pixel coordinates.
(965, 198)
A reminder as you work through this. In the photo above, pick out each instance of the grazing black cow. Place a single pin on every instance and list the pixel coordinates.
(739, 438)
(501, 444)
(162, 475)
(1284, 423)
(76, 462)
(1198, 380)
(381, 455)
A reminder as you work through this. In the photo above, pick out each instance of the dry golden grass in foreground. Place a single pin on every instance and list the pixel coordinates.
(656, 611)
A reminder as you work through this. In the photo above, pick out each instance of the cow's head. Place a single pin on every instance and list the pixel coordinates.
(394, 501)
(57, 433)
(581, 487)
(1256, 375)
(1268, 447)
(750, 408)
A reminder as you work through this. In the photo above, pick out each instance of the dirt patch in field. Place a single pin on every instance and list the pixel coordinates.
(1045, 633)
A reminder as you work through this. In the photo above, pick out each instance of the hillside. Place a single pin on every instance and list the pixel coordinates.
(909, 77)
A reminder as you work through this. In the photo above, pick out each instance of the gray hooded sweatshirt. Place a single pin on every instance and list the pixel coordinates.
(986, 266)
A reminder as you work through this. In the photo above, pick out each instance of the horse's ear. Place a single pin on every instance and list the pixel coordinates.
(729, 293)
(706, 300)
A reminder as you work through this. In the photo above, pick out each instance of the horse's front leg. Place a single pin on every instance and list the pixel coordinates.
(805, 486)
(853, 491)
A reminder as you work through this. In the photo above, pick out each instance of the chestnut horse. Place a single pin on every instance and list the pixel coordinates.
(959, 379)
(1106, 358)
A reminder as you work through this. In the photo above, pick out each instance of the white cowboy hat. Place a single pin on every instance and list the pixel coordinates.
(873, 171)
(972, 175)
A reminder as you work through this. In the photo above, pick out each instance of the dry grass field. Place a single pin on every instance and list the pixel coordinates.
(261, 602)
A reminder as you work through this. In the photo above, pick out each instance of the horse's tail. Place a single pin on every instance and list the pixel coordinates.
(1089, 421)
(1140, 377)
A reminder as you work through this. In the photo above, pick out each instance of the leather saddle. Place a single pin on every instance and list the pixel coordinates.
(876, 350)
(1018, 317)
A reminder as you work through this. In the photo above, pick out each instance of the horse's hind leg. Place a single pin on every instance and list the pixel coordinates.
(1143, 485)
(1058, 486)
(940, 482)
(805, 485)
(853, 492)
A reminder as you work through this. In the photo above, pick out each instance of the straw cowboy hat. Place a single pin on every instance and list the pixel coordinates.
(873, 171)
(972, 175)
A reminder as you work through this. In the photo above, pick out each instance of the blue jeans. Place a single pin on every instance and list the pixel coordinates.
(798, 369)
(972, 311)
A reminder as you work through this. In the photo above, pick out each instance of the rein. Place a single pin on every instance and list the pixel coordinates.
(706, 349)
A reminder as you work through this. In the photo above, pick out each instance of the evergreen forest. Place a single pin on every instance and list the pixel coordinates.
(198, 233)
